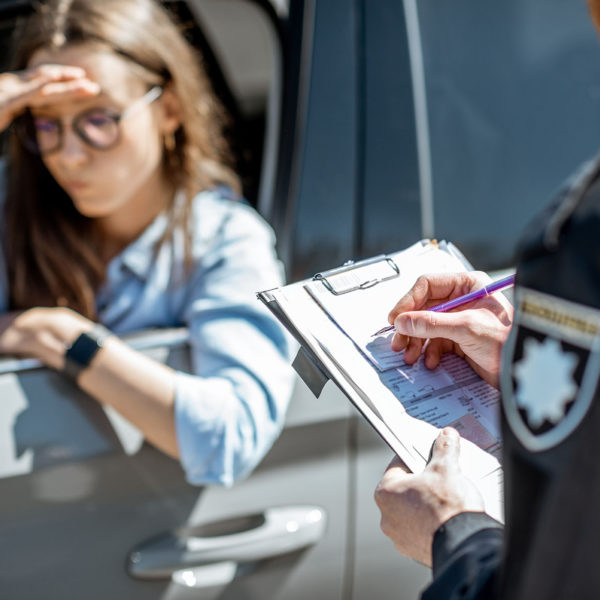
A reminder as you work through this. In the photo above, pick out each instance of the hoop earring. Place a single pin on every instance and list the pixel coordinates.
(169, 142)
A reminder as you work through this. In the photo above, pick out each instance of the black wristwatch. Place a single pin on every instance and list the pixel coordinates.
(81, 352)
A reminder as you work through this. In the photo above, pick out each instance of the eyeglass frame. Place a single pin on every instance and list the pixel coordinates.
(153, 94)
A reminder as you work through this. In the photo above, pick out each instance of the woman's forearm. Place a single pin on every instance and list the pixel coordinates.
(218, 423)
(139, 388)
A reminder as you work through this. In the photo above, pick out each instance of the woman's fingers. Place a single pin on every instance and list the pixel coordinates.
(47, 83)
(41, 85)
(60, 90)
(51, 72)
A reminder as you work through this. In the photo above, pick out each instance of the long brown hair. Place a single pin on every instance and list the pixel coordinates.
(595, 12)
(50, 248)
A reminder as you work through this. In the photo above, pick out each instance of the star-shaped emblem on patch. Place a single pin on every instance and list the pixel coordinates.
(545, 382)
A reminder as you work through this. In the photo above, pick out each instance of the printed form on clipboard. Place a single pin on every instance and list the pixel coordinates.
(334, 315)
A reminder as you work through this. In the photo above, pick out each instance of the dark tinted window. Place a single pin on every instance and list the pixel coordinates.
(513, 91)
(391, 215)
(324, 216)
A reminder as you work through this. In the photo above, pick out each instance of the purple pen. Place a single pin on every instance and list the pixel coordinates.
(487, 290)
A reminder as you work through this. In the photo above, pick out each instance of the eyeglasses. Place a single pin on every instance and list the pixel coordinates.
(97, 127)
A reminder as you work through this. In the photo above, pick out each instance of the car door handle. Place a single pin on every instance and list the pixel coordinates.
(242, 539)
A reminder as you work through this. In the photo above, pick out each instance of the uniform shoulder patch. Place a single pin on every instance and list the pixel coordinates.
(550, 368)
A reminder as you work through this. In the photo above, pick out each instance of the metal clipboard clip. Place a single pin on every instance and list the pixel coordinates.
(361, 275)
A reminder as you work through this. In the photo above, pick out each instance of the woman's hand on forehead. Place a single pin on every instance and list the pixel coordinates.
(42, 85)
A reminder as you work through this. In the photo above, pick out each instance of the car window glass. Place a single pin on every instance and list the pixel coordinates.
(391, 214)
(513, 108)
(239, 36)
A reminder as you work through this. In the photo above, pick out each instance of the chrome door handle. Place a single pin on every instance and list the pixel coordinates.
(243, 539)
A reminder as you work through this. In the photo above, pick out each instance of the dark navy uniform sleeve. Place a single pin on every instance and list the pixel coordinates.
(467, 552)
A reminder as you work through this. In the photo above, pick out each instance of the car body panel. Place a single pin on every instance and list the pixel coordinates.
(76, 503)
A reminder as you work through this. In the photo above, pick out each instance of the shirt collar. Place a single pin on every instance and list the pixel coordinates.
(139, 256)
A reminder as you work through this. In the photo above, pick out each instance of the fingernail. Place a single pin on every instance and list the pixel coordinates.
(450, 432)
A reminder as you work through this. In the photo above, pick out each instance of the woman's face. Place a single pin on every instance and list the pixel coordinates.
(127, 177)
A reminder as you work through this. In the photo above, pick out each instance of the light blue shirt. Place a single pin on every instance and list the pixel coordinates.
(229, 411)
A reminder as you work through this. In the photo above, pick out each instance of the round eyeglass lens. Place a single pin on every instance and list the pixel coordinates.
(98, 128)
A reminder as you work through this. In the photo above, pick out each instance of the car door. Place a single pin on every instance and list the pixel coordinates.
(92, 511)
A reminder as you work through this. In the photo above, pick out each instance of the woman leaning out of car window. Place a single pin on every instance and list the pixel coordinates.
(120, 211)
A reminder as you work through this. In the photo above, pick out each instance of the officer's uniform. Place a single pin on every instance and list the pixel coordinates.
(551, 424)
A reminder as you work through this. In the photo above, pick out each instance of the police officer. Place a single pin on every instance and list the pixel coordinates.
(551, 420)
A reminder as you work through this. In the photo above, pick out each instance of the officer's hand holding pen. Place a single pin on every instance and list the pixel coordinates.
(476, 330)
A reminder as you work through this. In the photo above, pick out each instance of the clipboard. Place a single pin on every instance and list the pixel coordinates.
(347, 278)
(311, 370)
(304, 308)
(350, 277)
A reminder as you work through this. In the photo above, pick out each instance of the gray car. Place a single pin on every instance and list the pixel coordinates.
(360, 126)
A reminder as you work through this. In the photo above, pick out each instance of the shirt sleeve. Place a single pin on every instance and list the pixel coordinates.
(230, 410)
(467, 552)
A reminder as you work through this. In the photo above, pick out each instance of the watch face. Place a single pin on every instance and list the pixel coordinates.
(83, 350)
